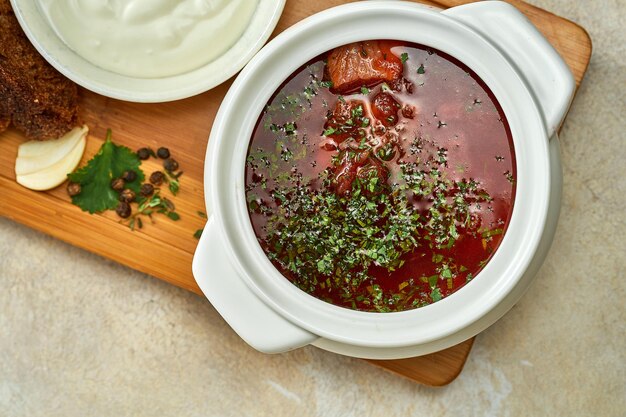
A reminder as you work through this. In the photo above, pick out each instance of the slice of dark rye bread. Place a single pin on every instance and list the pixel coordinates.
(34, 97)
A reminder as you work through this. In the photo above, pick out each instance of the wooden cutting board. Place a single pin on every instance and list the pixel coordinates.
(165, 249)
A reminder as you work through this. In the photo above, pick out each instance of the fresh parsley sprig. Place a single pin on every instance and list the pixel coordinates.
(172, 181)
(110, 162)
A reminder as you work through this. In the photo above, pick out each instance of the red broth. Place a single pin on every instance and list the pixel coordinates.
(386, 197)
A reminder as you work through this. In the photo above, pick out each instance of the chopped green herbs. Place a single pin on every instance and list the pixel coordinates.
(421, 70)
(290, 128)
(404, 57)
(148, 207)
(490, 233)
(435, 295)
(329, 131)
(338, 237)
(172, 181)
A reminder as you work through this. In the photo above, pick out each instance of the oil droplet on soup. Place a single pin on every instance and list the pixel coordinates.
(381, 176)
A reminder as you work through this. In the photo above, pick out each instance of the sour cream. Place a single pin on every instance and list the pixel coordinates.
(149, 38)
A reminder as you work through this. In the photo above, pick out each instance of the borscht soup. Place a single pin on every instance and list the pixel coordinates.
(381, 176)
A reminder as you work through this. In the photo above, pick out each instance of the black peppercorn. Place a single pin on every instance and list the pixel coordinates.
(73, 188)
(157, 178)
(123, 209)
(146, 190)
(129, 176)
(117, 184)
(163, 153)
(170, 164)
(143, 153)
(127, 196)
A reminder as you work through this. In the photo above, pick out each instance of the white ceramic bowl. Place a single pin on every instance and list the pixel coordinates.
(149, 90)
(532, 84)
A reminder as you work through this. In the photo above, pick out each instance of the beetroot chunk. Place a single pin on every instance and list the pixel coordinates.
(355, 164)
(347, 119)
(385, 109)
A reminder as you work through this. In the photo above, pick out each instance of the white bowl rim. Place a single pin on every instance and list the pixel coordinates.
(147, 90)
(224, 174)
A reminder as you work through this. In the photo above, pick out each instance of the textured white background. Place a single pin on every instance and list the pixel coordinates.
(82, 336)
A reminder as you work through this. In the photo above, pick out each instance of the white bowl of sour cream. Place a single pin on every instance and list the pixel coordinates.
(148, 50)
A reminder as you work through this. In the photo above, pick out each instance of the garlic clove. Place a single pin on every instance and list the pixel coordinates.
(35, 155)
(55, 174)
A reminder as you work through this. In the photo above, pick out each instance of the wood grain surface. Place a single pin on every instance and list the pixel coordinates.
(165, 249)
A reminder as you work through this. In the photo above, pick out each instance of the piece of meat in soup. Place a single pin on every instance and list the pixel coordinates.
(363, 64)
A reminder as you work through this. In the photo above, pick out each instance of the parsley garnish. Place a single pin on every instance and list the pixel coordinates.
(95, 178)
(435, 294)
(341, 237)
(290, 128)
(172, 181)
(404, 57)
(329, 131)
(421, 69)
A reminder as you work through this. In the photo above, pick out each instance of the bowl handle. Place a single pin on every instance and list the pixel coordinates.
(256, 323)
(536, 61)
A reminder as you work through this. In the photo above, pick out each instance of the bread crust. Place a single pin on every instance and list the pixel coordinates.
(34, 97)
